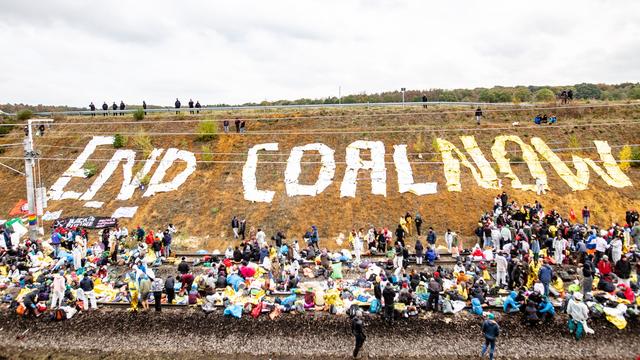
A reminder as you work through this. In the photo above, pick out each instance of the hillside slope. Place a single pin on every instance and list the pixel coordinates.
(203, 206)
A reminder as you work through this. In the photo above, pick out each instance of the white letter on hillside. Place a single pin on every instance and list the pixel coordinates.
(105, 174)
(249, 181)
(167, 161)
(405, 174)
(292, 173)
(528, 154)
(355, 163)
(613, 176)
(75, 170)
(486, 177)
(129, 186)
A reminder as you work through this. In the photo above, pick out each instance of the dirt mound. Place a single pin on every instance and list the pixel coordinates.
(190, 334)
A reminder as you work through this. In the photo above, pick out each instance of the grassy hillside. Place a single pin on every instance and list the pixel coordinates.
(203, 206)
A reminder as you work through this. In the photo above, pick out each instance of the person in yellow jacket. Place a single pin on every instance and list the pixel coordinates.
(133, 292)
(409, 220)
(463, 291)
(403, 224)
(534, 268)
(352, 237)
(557, 287)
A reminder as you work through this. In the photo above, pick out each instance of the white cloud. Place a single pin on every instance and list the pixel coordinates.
(72, 52)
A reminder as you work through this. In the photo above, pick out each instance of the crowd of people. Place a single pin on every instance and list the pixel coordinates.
(544, 119)
(566, 96)
(194, 107)
(528, 261)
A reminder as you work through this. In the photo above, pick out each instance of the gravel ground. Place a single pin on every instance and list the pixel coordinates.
(190, 334)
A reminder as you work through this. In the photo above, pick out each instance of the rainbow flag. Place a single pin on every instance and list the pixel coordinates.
(32, 219)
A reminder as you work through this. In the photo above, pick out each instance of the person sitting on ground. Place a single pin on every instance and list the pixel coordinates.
(531, 314)
(546, 311)
(183, 266)
(510, 305)
(431, 255)
(578, 313)
(30, 300)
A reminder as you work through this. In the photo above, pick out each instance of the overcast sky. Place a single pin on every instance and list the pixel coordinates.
(66, 52)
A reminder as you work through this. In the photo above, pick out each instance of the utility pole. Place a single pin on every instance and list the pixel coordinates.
(30, 157)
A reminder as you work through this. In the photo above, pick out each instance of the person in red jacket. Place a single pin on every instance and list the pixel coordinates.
(604, 266)
(150, 238)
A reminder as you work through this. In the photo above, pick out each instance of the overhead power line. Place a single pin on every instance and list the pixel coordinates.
(271, 162)
(311, 153)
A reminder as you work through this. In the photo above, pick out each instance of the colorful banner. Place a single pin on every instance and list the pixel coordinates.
(89, 222)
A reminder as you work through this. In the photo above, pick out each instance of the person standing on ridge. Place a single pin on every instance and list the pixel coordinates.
(418, 221)
(144, 107)
(586, 214)
(177, 105)
(478, 115)
(191, 106)
(93, 109)
(105, 108)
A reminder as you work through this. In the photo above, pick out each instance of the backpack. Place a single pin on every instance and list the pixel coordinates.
(375, 306)
(59, 315)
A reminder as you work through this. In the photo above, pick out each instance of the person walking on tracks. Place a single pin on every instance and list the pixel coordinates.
(490, 330)
(357, 329)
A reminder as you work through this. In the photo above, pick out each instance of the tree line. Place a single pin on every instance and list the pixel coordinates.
(496, 94)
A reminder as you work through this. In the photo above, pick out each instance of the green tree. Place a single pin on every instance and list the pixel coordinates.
(207, 130)
(119, 141)
(502, 96)
(587, 91)
(24, 115)
(487, 95)
(448, 95)
(138, 115)
(544, 95)
(634, 93)
(522, 94)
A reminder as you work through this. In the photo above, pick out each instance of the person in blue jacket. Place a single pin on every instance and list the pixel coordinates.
(510, 304)
(545, 274)
(476, 307)
(490, 330)
(432, 256)
(546, 309)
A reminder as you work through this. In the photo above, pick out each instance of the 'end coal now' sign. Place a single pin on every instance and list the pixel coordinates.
(453, 157)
